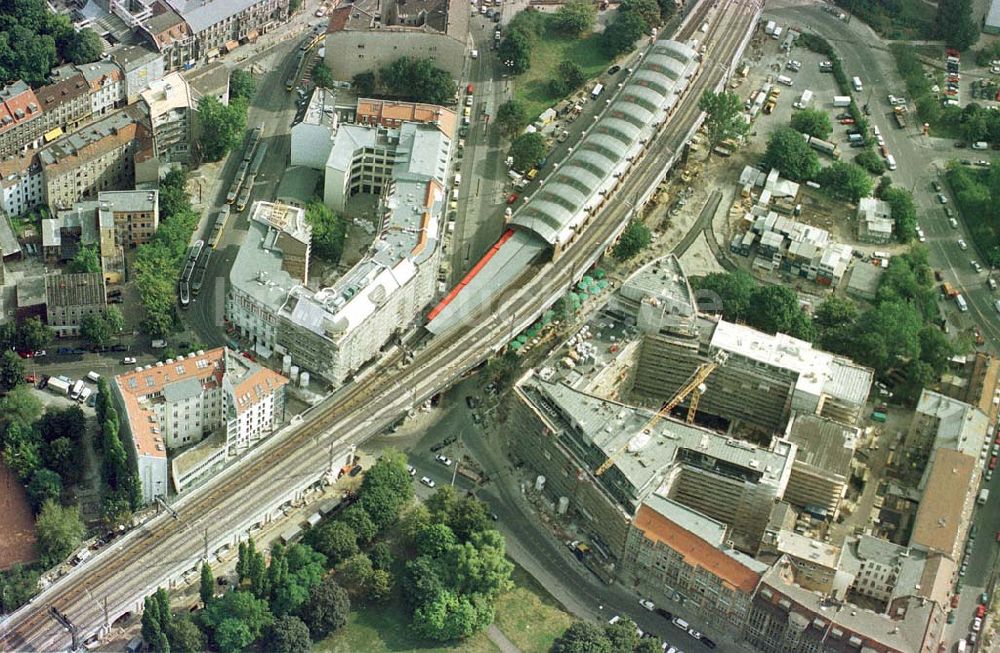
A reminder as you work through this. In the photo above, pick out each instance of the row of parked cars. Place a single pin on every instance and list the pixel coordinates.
(677, 622)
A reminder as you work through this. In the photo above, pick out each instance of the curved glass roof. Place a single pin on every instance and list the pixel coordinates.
(651, 89)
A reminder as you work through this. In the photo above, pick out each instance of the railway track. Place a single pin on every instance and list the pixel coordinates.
(129, 569)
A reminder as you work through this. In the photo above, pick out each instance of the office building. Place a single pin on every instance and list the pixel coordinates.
(367, 35)
(672, 550)
(566, 435)
(333, 331)
(69, 298)
(178, 402)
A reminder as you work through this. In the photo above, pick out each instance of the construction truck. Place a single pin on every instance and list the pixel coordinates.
(899, 113)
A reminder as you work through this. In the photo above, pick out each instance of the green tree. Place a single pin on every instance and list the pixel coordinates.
(61, 456)
(17, 585)
(222, 126)
(21, 450)
(322, 75)
(33, 335)
(791, 155)
(95, 329)
(386, 488)
(364, 84)
(649, 644)
(575, 17)
(327, 608)
(381, 556)
(60, 530)
(289, 634)
(435, 540)
(512, 117)
(633, 240)
(620, 36)
(419, 80)
(814, 122)
(480, 566)
(570, 76)
(151, 619)
(648, 9)
(114, 319)
(870, 161)
(354, 574)
(776, 309)
(667, 9)
(185, 636)
(237, 619)
(729, 292)
(835, 313)
(422, 582)
(469, 516)
(622, 635)
(11, 371)
(724, 117)
(451, 616)
(206, 589)
(336, 540)
(302, 569)
(515, 51)
(361, 523)
(241, 85)
(904, 212)
(19, 405)
(328, 231)
(583, 637)
(847, 180)
(527, 150)
(45, 485)
(85, 261)
(83, 47)
(956, 24)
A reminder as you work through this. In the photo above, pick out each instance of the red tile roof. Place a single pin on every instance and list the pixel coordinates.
(20, 108)
(696, 551)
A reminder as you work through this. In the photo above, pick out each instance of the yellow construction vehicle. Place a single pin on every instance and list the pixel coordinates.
(693, 387)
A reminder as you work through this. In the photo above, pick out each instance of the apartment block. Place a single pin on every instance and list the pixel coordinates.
(823, 462)
(369, 34)
(99, 157)
(787, 618)
(884, 572)
(71, 297)
(21, 184)
(816, 563)
(944, 423)
(945, 512)
(21, 123)
(140, 65)
(105, 85)
(178, 402)
(671, 549)
(312, 134)
(565, 435)
(170, 106)
(187, 31)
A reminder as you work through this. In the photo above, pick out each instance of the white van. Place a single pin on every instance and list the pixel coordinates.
(890, 162)
(856, 82)
(454, 194)
(980, 145)
(93, 376)
(782, 79)
(77, 389)
(458, 178)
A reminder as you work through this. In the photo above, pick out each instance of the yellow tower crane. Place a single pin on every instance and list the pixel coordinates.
(694, 387)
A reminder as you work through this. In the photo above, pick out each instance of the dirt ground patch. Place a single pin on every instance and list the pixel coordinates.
(17, 537)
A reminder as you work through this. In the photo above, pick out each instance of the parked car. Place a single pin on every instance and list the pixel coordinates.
(412, 470)
(128, 360)
(646, 603)
(444, 460)
(426, 481)
(962, 245)
(613, 69)
(942, 198)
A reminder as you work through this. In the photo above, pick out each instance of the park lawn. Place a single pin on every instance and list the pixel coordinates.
(527, 615)
(532, 88)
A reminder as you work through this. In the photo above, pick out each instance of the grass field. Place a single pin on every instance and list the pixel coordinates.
(532, 88)
(527, 615)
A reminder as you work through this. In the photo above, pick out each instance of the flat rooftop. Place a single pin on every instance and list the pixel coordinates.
(939, 522)
(645, 458)
(82, 289)
(824, 444)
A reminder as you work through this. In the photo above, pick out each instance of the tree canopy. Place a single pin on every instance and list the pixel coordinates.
(846, 180)
(956, 24)
(515, 51)
(724, 117)
(236, 620)
(418, 80)
(289, 634)
(34, 40)
(575, 17)
(789, 153)
(527, 150)
(814, 122)
(322, 75)
(60, 530)
(512, 117)
(85, 261)
(327, 608)
(222, 126)
(241, 85)
(633, 240)
(328, 231)
(569, 78)
(621, 35)
(769, 308)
